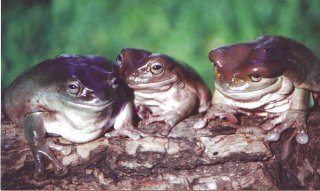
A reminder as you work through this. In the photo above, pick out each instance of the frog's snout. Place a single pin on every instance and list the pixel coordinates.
(217, 54)
(87, 94)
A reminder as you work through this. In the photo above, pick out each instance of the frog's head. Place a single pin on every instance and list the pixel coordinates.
(142, 69)
(83, 81)
(256, 65)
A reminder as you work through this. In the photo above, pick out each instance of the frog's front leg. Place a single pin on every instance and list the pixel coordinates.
(296, 117)
(35, 134)
(221, 109)
(123, 125)
(173, 116)
(170, 119)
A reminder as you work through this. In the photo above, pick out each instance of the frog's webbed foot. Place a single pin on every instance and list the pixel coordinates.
(292, 118)
(65, 150)
(60, 169)
(221, 111)
(128, 131)
(170, 119)
(36, 138)
(40, 153)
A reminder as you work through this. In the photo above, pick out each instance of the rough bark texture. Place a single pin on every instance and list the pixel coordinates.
(220, 156)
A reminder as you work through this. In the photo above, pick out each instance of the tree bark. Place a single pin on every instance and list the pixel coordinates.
(219, 156)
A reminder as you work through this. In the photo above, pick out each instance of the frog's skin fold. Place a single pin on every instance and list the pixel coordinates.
(273, 76)
(76, 97)
(164, 90)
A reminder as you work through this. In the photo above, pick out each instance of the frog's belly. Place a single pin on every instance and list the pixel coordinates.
(164, 101)
(63, 126)
(271, 103)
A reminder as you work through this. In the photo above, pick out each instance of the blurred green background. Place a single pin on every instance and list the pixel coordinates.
(34, 30)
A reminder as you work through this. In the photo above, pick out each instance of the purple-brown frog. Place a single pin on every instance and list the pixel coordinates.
(274, 77)
(76, 97)
(165, 91)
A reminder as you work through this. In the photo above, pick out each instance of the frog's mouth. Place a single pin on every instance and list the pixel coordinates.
(85, 105)
(153, 85)
(245, 95)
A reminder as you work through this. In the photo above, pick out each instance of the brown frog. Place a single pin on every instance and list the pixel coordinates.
(164, 90)
(272, 76)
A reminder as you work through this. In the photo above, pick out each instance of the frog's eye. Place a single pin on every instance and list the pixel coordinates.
(156, 68)
(119, 59)
(255, 77)
(73, 87)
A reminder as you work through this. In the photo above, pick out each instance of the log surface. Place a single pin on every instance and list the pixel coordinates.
(219, 156)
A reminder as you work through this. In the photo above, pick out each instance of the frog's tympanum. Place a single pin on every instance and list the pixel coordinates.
(164, 90)
(273, 76)
(76, 97)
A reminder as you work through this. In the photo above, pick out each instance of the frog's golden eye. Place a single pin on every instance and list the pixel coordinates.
(255, 77)
(156, 68)
(73, 87)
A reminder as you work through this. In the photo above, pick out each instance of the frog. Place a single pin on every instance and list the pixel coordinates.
(166, 91)
(73, 96)
(275, 77)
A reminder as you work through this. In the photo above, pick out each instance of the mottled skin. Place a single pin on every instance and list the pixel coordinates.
(273, 76)
(164, 90)
(76, 97)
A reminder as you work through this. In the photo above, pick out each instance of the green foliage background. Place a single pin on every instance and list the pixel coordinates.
(34, 30)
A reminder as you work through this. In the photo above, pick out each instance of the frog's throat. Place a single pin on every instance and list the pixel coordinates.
(282, 83)
(154, 85)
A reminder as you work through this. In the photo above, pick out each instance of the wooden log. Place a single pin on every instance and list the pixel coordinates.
(220, 156)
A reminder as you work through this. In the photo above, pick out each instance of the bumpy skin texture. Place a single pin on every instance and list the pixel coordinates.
(76, 97)
(164, 90)
(273, 76)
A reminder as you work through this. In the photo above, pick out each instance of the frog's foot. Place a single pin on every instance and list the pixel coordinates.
(65, 150)
(40, 173)
(222, 111)
(292, 118)
(40, 153)
(36, 137)
(170, 120)
(128, 131)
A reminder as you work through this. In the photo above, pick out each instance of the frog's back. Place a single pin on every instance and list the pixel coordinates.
(291, 58)
(18, 97)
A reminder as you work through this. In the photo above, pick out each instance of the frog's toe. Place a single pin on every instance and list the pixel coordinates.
(276, 119)
(273, 136)
(293, 118)
(221, 115)
(302, 138)
(165, 131)
(40, 175)
(268, 126)
(230, 117)
(134, 136)
(222, 112)
(200, 124)
(61, 171)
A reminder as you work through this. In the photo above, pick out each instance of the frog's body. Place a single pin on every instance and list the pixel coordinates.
(164, 90)
(272, 76)
(76, 97)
